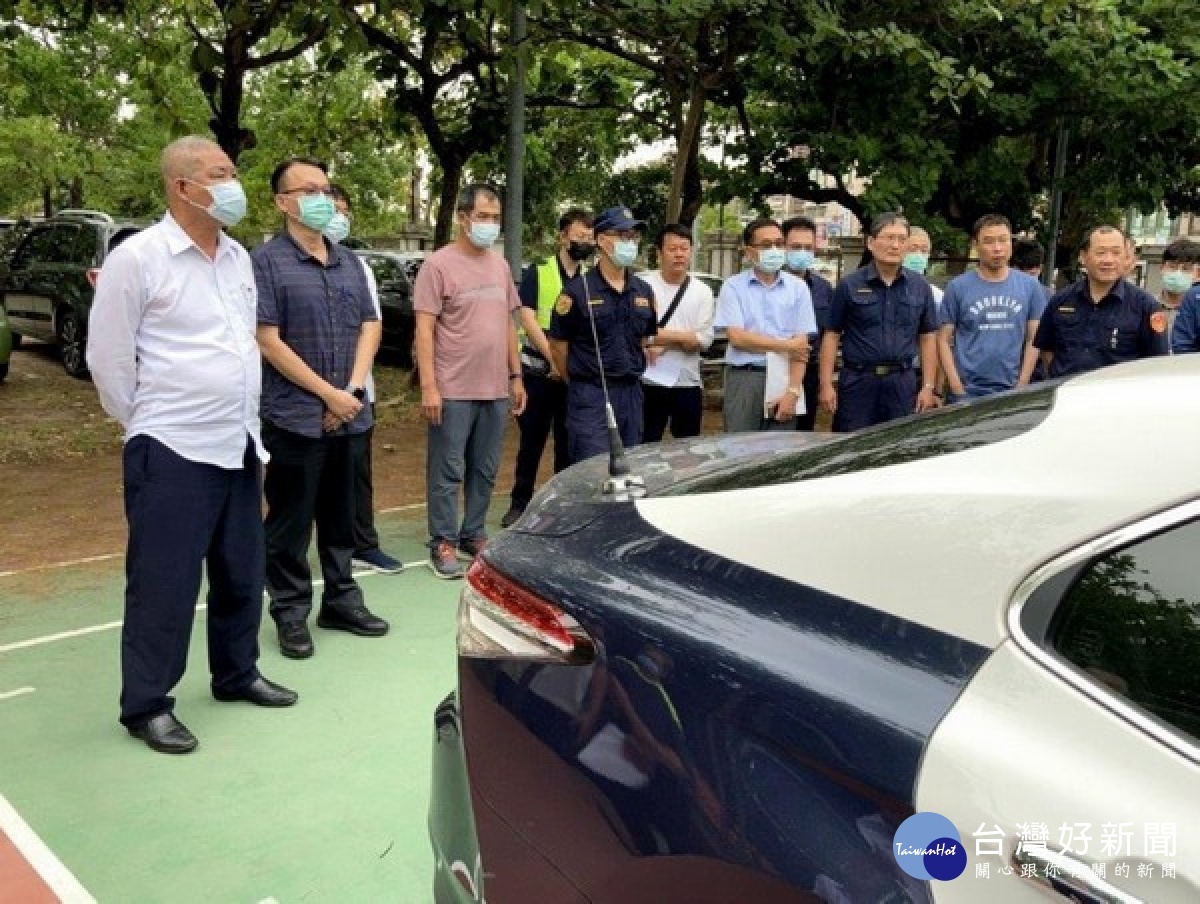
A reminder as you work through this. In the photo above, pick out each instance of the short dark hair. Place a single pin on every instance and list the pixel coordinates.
(753, 226)
(470, 194)
(1086, 244)
(990, 219)
(1028, 254)
(882, 221)
(675, 229)
(1182, 251)
(280, 171)
(573, 215)
(339, 194)
(806, 223)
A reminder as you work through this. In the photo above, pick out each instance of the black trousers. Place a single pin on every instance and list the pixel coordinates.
(183, 515)
(680, 407)
(812, 380)
(865, 399)
(545, 411)
(309, 481)
(366, 538)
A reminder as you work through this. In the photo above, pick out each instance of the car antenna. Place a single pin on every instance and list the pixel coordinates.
(620, 482)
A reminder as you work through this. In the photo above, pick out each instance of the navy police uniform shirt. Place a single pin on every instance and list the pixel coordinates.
(623, 320)
(1126, 325)
(880, 323)
(821, 290)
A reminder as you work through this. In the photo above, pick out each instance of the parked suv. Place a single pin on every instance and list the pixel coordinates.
(392, 271)
(48, 277)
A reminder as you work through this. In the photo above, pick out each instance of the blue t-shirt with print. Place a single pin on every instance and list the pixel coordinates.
(989, 320)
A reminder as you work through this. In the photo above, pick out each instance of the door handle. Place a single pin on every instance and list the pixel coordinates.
(1075, 880)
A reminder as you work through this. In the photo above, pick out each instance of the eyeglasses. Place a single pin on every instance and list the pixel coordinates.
(327, 192)
(763, 246)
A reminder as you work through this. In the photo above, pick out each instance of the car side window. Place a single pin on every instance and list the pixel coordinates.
(1132, 623)
(52, 244)
(385, 269)
(83, 249)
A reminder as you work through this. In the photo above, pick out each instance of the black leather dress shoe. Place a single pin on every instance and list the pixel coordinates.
(357, 620)
(260, 692)
(294, 640)
(166, 734)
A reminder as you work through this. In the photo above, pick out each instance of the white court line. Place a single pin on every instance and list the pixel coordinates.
(60, 879)
(109, 626)
(19, 692)
(103, 558)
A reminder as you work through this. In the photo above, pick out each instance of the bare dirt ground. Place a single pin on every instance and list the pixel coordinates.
(60, 461)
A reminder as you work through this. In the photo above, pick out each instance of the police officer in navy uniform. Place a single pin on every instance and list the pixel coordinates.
(882, 315)
(800, 238)
(1103, 318)
(546, 403)
(619, 307)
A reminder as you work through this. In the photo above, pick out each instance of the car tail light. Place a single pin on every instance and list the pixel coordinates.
(500, 619)
(93, 274)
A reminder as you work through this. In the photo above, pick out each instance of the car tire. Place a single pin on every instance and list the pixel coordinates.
(17, 339)
(72, 345)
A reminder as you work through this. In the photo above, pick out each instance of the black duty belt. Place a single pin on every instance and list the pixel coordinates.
(879, 370)
(749, 366)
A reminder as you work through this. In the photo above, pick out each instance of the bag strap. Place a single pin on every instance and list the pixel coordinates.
(662, 321)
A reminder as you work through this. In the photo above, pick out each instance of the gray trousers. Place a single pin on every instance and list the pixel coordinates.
(743, 409)
(464, 450)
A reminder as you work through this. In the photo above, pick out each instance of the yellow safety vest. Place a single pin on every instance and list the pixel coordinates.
(549, 288)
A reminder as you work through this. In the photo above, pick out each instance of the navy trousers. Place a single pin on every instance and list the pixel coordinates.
(183, 515)
(545, 411)
(865, 399)
(587, 423)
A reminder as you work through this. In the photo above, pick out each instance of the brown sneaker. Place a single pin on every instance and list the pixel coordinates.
(469, 549)
(444, 562)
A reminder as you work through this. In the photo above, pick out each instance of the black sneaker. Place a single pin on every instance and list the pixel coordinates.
(444, 562)
(512, 516)
(294, 640)
(379, 560)
(469, 549)
(354, 619)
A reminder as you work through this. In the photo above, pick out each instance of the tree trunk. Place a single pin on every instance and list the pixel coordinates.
(47, 200)
(452, 171)
(685, 142)
(76, 193)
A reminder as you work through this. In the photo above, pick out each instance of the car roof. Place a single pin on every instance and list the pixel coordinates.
(946, 541)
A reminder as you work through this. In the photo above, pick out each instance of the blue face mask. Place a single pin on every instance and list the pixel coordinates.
(801, 260)
(338, 229)
(771, 260)
(483, 235)
(915, 260)
(1176, 281)
(625, 252)
(228, 202)
(316, 211)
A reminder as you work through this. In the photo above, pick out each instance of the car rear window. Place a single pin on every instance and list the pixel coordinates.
(953, 429)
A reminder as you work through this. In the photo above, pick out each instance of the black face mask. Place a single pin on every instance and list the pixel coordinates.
(581, 251)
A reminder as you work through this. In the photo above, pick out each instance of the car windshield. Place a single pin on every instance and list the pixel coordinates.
(952, 429)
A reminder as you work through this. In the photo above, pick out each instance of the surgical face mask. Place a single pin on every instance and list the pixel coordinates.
(801, 260)
(483, 235)
(624, 252)
(915, 260)
(228, 201)
(1176, 281)
(316, 211)
(338, 229)
(580, 251)
(771, 260)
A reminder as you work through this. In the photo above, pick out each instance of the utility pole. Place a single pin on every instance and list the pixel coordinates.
(1060, 164)
(514, 193)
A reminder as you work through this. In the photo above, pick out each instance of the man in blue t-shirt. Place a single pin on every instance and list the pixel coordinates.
(988, 319)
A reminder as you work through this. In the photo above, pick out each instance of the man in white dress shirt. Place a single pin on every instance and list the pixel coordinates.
(172, 352)
(671, 387)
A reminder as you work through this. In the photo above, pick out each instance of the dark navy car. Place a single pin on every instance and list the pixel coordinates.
(738, 687)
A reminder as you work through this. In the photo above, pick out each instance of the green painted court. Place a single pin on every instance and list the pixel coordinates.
(325, 801)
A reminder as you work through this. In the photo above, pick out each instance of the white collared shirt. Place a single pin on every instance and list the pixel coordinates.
(675, 367)
(171, 344)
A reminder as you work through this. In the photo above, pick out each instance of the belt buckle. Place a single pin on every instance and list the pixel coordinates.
(882, 370)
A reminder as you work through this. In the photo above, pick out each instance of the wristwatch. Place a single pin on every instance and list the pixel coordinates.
(794, 390)
(359, 392)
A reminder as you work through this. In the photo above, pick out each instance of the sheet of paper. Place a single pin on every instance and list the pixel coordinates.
(665, 371)
(779, 368)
